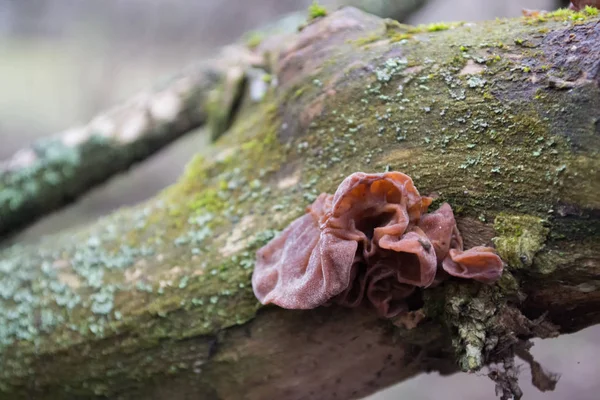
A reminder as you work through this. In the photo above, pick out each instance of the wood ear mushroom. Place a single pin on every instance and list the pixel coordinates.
(372, 241)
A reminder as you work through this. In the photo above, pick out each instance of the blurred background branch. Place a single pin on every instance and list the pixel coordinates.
(55, 171)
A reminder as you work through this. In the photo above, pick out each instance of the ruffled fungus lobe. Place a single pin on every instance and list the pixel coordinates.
(372, 241)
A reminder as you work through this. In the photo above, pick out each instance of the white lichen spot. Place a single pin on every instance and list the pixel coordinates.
(75, 136)
(587, 287)
(289, 181)
(471, 68)
(61, 264)
(225, 154)
(473, 355)
(165, 106)
(258, 89)
(238, 238)
(103, 125)
(165, 283)
(198, 366)
(69, 279)
(170, 276)
(132, 275)
(133, 127)
(21, 159)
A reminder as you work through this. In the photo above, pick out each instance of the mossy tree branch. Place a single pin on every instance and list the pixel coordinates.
(55, 171)
(500, 119)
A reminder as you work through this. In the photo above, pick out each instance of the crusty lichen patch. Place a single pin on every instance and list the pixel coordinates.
(469, 311)
(519, 238)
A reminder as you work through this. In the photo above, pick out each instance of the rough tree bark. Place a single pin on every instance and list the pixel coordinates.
(500, 119)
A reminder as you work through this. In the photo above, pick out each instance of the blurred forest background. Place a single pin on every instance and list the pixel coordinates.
(63, 61)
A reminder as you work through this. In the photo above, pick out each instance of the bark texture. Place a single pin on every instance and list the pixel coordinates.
(499, 119)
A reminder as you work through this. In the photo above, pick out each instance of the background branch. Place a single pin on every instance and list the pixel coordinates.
(55, 171)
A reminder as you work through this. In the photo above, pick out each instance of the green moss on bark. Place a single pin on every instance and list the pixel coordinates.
(519, 238)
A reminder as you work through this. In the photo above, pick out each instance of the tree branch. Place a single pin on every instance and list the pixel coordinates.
(155, 301)
(55, 171)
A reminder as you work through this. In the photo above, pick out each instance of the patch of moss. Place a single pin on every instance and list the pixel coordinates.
(508, 284)
(435, 27)
(254, 39)
(316, 10)
(397, 37)
(565, 15)
(519, 238)
(438, 26)
(591, 11)
(298, 92)
(367, 39)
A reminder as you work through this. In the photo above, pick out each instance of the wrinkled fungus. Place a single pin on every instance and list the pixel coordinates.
(372, 241)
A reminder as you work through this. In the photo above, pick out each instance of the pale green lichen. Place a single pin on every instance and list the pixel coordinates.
(469, 311)
(390, 68)
(519, 238)
(52, 163)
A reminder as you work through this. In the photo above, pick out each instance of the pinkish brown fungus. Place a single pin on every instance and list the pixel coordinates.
(372, 241)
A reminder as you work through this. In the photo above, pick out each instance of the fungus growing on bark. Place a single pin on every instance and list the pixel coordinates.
(372, 241)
